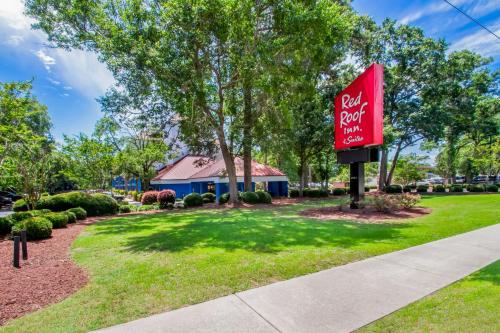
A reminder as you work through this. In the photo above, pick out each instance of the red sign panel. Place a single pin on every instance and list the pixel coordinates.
(359, 111)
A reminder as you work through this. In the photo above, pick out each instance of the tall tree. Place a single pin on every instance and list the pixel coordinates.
(412, 65)
(187, 49)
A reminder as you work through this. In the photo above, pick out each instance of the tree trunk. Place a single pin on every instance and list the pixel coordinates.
(302, 172)
(230, 168)
(247, 135)
(450, 160)
(382, 170)
(388, 180)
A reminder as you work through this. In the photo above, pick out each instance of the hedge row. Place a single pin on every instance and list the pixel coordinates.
(36, 228)
(94, 204)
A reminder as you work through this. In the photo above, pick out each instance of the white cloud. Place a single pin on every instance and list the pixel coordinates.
(77, 69)
(481, 42)
(14, 40)
(55, 82)
(67, 88)
(431, 9)
(45, 59)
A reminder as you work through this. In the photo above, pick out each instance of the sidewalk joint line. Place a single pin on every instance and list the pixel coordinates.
(254, 310)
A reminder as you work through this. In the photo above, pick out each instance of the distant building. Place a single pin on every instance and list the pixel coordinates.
(200, 174)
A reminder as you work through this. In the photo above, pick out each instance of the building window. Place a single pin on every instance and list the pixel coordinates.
(211, 187)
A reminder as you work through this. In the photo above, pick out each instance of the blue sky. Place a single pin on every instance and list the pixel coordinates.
(69, 82)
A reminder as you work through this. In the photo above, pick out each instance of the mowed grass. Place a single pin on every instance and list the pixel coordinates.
(143, 265)
(469, 305)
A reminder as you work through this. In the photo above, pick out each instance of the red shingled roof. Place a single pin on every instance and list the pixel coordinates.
(192, 167)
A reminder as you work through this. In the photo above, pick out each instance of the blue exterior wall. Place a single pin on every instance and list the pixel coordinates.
(181, 190)
(278, 189)
(119, 183)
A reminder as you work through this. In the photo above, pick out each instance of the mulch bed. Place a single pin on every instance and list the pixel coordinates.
(367, 215)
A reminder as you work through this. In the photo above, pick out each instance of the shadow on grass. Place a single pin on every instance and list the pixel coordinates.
(257, 231)
(490, 273)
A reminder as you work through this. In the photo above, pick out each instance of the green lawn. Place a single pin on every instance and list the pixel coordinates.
(147, 264)
(469, 305)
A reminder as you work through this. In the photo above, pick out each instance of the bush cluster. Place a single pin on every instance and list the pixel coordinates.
(58, 220)
(407, 189)
(394, 189)
(149, 198)
(193, 200)
(36, 228)
(208, 197)
(71, 216)
(124, 209)
(264, 197)
(438, 189)
(407, 200)
(475, 188)
(294, 193)
(94, 204)
(5, 225)
(491, 188)
(250, 197)
(80, 213)
(338, 191)
(165, 197)
(391, 202)
(20, 206)
(456, 188)
(422, 188)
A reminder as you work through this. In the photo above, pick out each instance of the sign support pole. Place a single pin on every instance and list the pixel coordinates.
(357, 183)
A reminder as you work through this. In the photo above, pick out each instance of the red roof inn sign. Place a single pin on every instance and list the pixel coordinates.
(359, 118)
(359, 111)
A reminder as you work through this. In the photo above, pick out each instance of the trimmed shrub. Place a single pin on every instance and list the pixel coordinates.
(338, 191)
(94, 204)
(5, 225)
(193, 200)
(250, 197)
(147, 207)
(385, 203)
(406, 189)
(170, 206)
(407, 200)
(59, 220)
(149, 198)
(224, 198)
(367, 189)
(19, 216)
(124, 209)
(20, 206)
(491, 188)
(40, 212)
(314, 193)
(294, 193)
(208, 197)
(394, 189)
(438, 189)
(456, 188)
(422, 188)
(264, 197)
(80, 213)
(323, 193)
(71, 216)
(165, 197)
(36, 228)
(476, 188)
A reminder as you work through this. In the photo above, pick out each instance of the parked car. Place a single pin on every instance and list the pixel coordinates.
(5, 201)
(460, 180)
(480, 180)
(8, 194)
(494, 179)
(424, 182)
(436, 180)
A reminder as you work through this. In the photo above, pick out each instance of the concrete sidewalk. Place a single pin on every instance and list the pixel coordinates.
(339, 299)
